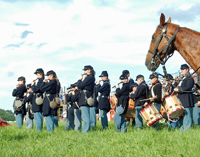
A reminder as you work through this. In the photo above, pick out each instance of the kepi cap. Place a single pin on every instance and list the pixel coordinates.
(134, 85)
(86, 67)
(139, 76)
(122, 77)
(154, 75)
(28, 86)
(21, 78)
(169, 76)
(104, 73)
(125, 72)
(39, 70)
(50, 72)
(184, 66)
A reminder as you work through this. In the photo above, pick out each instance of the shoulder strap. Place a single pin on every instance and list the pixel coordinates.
(77, 104)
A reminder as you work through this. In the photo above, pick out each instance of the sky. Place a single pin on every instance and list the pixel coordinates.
(66, 35)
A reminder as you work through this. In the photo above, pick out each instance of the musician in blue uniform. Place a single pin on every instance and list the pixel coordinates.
(86, 87)
(168, 91)
(49, 86)
(77, 109)
(18, 92)
(104, 104)
(196, 109)
(130, 80)
(186, 97)
(122, 104)
(70, 112)
(155, 95)
(55, 117)
(93, 110)
(28, 99)
(140, 93)
(37, 93)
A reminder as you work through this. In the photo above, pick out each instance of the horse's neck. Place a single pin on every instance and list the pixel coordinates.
(188, 45)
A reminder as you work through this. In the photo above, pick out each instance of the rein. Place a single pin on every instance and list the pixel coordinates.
(156, 53)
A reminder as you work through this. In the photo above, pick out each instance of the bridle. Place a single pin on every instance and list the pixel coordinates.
(169, 47)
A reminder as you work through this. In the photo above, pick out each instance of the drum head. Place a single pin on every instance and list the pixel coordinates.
(177, 114)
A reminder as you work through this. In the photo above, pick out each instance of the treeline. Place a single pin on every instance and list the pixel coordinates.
(7, 115)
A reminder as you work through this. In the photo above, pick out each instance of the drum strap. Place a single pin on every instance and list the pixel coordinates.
(181, 82)
(152, 92)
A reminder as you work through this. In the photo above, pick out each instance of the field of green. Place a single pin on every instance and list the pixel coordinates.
(101, 143)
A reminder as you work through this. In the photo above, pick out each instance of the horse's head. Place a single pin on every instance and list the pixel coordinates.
(161, 47)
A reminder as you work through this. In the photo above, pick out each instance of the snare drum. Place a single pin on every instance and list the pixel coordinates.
(174, 107)
(113, 101)
(150, 115)
(131, 109)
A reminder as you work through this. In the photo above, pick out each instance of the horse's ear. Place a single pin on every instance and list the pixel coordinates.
(162, 19)
(169, 20)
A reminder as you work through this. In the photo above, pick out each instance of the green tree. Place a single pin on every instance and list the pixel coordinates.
(7, 115)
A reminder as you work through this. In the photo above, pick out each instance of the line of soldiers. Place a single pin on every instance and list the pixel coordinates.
(41, 97)
(83, 100)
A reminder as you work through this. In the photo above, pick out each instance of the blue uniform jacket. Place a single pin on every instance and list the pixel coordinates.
(68, 98)
(140, 94)
(123, 96)
(88, 85)
(50, 89)
(19, 93)
(74, 98)
(186, 99)
(130, 82)
(36, 90)
(104, 103)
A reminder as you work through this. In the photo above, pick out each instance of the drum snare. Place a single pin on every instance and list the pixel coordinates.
(174, 107)
(113, 101)
(150, 115)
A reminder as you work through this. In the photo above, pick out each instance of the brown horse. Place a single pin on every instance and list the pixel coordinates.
(169, 37)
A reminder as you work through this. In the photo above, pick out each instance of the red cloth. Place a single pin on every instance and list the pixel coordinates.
(3, 123)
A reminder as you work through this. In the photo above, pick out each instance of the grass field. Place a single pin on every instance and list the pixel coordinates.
(147, 142)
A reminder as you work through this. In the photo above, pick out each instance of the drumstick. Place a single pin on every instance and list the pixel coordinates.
(165, 94)
(174, 91)
(148, 98)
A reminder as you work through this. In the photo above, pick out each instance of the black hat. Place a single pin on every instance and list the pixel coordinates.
(86, 67)
(28, 86)
(134, 85)
(169, 76)
(139, 76)
(72, 85)
(154, 75)
(50, 72)
(125, 72)
(122, 77)
(184, 66)
(39, 70)
(21, 78)
(104, 73)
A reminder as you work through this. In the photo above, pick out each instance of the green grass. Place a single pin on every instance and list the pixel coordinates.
(147, 142)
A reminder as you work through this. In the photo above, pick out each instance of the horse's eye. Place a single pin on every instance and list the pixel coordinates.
(153, 37)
